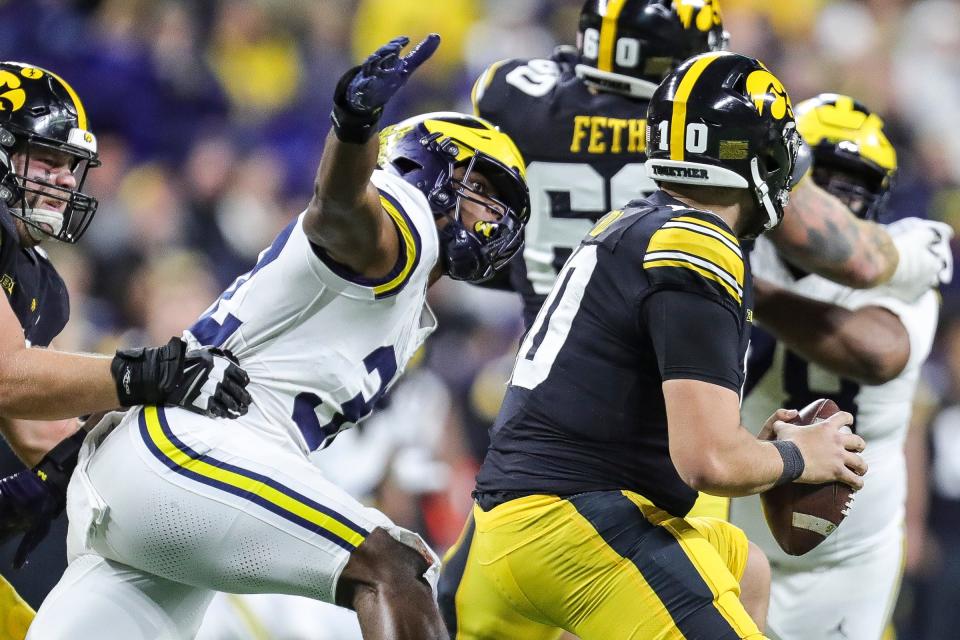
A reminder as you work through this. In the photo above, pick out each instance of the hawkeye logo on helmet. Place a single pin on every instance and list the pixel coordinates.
(704, 14)
(12, 97)
(765, 89)
(688, 173)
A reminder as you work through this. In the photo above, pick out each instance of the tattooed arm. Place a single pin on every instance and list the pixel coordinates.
(819, 234)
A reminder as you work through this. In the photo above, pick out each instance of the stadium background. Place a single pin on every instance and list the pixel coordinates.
(211, 117)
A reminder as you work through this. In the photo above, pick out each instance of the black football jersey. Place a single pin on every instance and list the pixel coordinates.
(657, 291)
(584, 151)
(34, 289)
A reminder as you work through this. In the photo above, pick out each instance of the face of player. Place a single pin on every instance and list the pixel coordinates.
(480, 206)
(852, 190)
(51, 167)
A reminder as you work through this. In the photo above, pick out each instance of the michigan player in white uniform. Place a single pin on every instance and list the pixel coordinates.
(863, 349)
(166, 508)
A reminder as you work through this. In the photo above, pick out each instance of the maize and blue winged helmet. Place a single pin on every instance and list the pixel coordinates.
(427, 150)
(852, 157)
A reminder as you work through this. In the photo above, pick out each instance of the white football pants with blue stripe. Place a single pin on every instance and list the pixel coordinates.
(168, 507)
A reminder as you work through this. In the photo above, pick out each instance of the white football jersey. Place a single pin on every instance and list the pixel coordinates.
(881, 412)
(321, 344)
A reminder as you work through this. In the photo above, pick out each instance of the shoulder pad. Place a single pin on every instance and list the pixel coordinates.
(505, 82)
(609, 230)
(696, 251)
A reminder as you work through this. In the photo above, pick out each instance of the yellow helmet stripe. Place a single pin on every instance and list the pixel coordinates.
(81, 113)
(608, 34)
(678, 122)
(491, 141)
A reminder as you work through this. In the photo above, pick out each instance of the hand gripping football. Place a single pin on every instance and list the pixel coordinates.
(801, 516)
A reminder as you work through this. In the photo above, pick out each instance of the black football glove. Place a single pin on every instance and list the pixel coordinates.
(362, 91)
(206, 380)
(31, 499)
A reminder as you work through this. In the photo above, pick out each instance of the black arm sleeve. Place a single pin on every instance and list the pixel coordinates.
(695, 338)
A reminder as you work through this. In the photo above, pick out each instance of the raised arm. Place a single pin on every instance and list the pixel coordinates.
(820, 235)
(345, 216)
(869, 344)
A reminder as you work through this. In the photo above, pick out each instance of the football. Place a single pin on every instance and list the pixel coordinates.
(801, 516)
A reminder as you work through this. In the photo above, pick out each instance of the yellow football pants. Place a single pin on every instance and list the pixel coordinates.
(601, 565)
(15, 614)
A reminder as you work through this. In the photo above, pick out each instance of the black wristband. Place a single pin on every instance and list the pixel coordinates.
(349, 125)
(792, 461)
(146, 376)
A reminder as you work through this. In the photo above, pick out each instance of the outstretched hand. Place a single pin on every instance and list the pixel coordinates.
(385, 71)
(926, 258)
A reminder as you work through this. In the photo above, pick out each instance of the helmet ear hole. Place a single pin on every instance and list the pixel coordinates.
(771, 162)
(405, 165)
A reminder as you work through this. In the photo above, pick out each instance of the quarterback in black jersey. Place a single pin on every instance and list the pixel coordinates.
(624, 398)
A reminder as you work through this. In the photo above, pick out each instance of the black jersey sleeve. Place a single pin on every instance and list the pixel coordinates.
(694, 337)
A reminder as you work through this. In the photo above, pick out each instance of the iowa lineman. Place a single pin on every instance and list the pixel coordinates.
(861, 348)
(46, 148)
(624, 399)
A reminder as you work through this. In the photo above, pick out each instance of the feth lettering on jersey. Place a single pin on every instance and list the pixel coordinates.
(601, 135)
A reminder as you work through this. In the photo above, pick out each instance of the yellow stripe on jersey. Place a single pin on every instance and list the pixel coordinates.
(244, 485)
(702, 247)
(15, 614)
(709, 225)
(605, 222)
(608, 34)
(706, 273)
(678, 123)
(482, 83)
(408, 250)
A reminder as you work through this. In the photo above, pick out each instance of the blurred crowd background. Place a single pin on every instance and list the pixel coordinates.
(211, 118)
